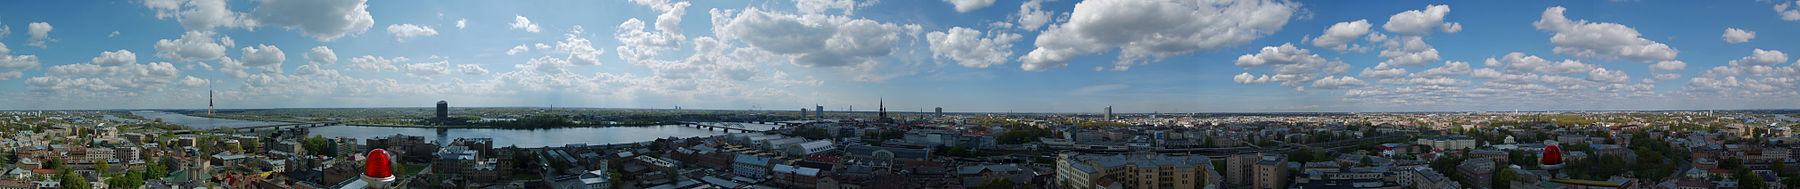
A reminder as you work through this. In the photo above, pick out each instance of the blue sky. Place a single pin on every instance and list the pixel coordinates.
(964, 56)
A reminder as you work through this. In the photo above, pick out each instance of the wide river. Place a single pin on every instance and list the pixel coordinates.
(502, 137)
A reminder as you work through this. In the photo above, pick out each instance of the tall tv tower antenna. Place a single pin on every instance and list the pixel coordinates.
(209, 102)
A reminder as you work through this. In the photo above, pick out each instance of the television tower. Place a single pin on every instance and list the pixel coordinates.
(209, 102)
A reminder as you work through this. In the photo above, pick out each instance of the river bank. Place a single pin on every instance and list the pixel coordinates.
(472, 126)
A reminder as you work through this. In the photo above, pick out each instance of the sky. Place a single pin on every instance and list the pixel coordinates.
(961, 55)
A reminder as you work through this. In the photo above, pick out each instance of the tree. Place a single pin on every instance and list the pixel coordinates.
(996, 183)
(318, 145)
(1751, 181)
(1504, 177)
(71, 180)
(102, 167)
(132, 179)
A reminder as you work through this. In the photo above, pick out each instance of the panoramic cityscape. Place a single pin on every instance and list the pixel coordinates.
(988, 94)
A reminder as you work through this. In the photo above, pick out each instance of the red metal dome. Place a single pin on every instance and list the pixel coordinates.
(1552, 155)
(378, 165)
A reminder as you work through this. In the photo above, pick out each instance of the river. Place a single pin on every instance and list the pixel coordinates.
(502, 137)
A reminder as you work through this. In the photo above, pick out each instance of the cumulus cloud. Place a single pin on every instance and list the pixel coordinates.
(1788, 11)
(1416, 22)
(193, 46)
(1340, 36)
(115, 58)
(1291, 66)
(201, 15)
(1517, 62)
(969, 5)
(1734, 35)
(1451, 68)
(820, 6)
(403, 31)
(813, 40)
(970, 49)
(191, 81)
(461, 23)
(1382, 71)
(324, 20)
(427, 70)
(40, 34)
(376, 64)
(1760, 57)
(517, 50)
(1338, 83)
(321, 55)
(1409, 51)
(1142, 29)
(116, 77)
(1032, 15)
(522, 23)
(1610, 76)
(639, 44)
(1600, 39)
(471, 69)
(580, 50)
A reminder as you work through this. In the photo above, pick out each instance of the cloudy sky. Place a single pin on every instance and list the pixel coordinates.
(962, 55)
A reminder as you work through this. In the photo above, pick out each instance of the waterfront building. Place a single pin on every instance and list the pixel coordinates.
(443, 109)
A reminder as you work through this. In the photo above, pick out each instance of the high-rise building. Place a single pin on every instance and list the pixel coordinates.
(1109, 113)
(820, 109)
(940, 110)
(1241, 168)
(443, 109)
(803, 113)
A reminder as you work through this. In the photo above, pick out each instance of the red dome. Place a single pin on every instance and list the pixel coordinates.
(378, 165)
(1552, 155)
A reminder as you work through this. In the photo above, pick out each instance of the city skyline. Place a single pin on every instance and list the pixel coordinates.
(963, 56)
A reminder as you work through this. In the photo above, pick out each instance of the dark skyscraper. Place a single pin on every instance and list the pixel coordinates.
(940, 110)
(820, 110)
(443, 109)
(802, 113)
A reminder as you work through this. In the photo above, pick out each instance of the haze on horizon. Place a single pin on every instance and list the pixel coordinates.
(962, 55)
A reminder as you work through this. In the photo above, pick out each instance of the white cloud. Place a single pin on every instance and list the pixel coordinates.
(1600, 39)
(1338, 83)
(403, 31)
(128, 79)
(1451, 68)
(1734, 35)
(1382, 71)
(11, 75)
(520, 22)
(1291, 66)
(115, 33)
(472, 69)
(1142, 29)
(321, 55)
(193, 46)
(820, 6)
(1610, 76)
(1665, 66)
(264, 55)
(1786, 13)
(115, 58)
(969, 5)
(1091, 90)
(813, 40)
(427, 70)
(580, 50)
(461, 23)
(517, 50)
(18, 62)
(191, 81)
(201, 15)
(324, 20)
(1517, 62)
(376, 64)
(1340, 36)
(1032, 15)
(40, 34)
(970, 49)
(1409, 51)
(1415, 22)
(1760, 57)
(639, 44)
